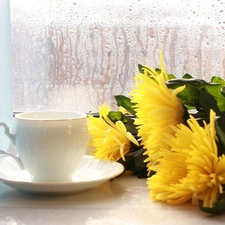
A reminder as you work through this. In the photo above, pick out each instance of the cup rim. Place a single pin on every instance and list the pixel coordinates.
(45, 115)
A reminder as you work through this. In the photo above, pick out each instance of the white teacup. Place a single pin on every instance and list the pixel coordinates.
(50, 144)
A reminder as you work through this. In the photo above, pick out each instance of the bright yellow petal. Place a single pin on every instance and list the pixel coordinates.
(157, 109)
(109, 141)
(191, 169)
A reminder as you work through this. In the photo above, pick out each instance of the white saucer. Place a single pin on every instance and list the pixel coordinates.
(91, 172)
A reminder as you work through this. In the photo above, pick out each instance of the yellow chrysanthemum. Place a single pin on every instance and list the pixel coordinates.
(157, 107)
(192, 169)
(110, 141)
(124, 111)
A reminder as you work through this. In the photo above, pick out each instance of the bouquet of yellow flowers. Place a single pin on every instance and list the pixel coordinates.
(171, 131)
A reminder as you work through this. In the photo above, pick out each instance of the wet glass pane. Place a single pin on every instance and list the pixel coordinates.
(76, 55)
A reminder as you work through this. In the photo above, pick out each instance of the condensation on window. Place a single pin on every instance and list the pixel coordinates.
(77, 55)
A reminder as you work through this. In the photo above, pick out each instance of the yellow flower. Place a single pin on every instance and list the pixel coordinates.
(157, 109)
(167, 184)
(192, 169)
(110, 141)
(123, 110)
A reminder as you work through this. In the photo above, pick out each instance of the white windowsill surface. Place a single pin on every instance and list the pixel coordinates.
(121, 201)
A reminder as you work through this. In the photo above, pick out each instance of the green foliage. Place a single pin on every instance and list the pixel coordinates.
(126, 103)
(218, 208)
(127, 119)
(204, 96)
(217, 80)
(187, 76)
(199, 95)
(115, 116)
(208, 102)
(142, 68)
(220, 132)
(194, 95)
(190, 94)
(134, 162)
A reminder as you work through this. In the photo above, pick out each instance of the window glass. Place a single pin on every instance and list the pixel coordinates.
(76, 55)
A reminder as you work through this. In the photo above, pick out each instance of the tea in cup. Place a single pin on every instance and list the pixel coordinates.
(50, 144)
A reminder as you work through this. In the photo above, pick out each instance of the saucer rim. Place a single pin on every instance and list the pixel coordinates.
(73, 186)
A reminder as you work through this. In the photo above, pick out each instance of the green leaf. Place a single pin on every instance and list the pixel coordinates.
(216, 91)
(126, 103)
(141, 68)
(158, 70)
(220, 132)
(135, 163)
(171, 76)
(218, 208)
(196, 83)
(191, 93)
(217, 80)
(115, 116)
(187, 76)
(130, 125)
(208, 102)
(223, 91)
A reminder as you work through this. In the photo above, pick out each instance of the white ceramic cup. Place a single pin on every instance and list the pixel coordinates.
(50, 144)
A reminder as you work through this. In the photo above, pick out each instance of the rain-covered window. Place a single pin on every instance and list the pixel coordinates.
(76, 55)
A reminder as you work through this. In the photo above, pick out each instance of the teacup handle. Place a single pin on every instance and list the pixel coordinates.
(7, 132)
(18, 160)
(12, 138)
